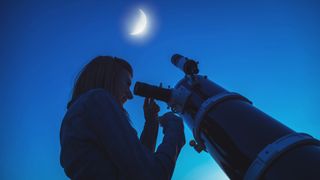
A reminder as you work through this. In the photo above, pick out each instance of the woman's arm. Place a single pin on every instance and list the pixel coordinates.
(149, 134)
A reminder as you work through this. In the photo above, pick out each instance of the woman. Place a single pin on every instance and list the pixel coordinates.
(97, 140)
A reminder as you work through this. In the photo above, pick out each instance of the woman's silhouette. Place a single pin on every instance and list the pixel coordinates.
(97, 139)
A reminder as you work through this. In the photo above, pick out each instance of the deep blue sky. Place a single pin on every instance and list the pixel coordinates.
(267, 51)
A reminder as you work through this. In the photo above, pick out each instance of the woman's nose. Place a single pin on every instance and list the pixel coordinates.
(130, 96)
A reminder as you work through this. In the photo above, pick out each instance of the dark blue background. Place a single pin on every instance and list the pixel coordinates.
(266, 50)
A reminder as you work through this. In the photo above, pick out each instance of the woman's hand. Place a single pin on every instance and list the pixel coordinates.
(150, 109)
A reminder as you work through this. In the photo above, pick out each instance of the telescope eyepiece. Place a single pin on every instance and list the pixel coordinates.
(147, 90)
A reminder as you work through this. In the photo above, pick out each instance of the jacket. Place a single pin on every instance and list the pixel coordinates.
(98, 142)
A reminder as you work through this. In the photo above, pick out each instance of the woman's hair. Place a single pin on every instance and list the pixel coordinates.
(100, 72)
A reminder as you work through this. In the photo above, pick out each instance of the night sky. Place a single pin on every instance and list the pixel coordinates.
(267, 51)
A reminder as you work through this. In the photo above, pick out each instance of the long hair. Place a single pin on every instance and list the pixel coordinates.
(100, 72)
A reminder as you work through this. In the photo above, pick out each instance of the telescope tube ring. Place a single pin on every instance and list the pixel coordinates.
(274, 150)
(206, 106)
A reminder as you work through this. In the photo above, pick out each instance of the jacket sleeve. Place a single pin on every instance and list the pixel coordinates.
(121, 143)
(149, 134)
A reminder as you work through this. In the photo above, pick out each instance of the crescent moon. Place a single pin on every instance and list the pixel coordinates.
(140, 25)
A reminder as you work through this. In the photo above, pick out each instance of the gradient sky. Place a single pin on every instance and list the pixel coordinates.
(267, 51)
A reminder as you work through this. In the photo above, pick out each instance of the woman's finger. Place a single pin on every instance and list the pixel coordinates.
(153, 103)
(146, 102)
(157, 108)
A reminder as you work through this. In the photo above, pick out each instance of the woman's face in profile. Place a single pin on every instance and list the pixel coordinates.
(124, 86)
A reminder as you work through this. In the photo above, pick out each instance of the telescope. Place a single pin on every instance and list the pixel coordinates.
(244, 141)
